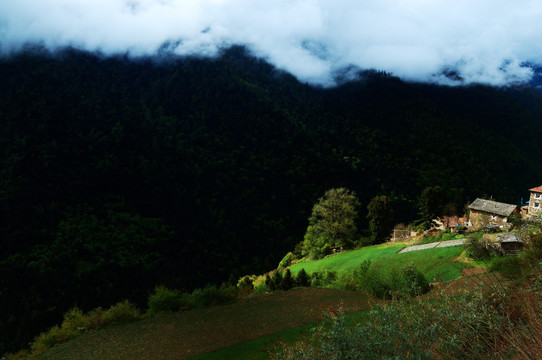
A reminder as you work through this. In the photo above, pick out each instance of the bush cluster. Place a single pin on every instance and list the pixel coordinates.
(164, 299)
(478, 247)
(469, 326)
(285, 280)
(398, 283)
(75, 322)
(323, 278)
(487, 322)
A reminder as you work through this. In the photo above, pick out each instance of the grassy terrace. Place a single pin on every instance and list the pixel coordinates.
(436, 264)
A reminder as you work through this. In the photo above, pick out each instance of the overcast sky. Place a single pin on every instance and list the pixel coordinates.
(487, 41)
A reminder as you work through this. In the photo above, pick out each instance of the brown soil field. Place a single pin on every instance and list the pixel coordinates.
(188, 333)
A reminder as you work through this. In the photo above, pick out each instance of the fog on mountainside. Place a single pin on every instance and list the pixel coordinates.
(447, 42)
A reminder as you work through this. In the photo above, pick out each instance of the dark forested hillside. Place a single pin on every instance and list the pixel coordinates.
(119, 174)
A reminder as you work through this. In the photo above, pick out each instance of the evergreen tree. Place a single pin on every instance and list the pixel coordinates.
(302, 278)
(332, 223)
(276, 281)
(380, 215)
(287, 280)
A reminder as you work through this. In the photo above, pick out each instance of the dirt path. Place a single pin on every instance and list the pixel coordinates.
(440, 244)
(185, 334)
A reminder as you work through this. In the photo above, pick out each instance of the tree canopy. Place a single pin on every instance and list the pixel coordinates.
(332, 223)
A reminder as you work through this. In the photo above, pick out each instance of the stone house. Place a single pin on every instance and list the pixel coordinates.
(490, 213)
(535, 203)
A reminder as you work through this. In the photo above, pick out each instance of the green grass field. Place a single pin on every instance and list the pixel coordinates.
(436, 264)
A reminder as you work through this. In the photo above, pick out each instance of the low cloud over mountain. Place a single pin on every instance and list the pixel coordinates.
(487, 41)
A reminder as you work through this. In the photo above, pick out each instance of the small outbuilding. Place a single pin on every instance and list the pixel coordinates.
(488, 213)
(510, 243)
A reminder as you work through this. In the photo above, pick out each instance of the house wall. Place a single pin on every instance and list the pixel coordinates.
(535, 204)
(480, 219)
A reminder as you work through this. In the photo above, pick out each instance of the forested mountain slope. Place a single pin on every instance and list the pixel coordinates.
(119, 174)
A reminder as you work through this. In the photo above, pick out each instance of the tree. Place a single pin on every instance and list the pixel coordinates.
(287, 280)
(332, 223)
(429, 205)
(380, 216)
(302, 278)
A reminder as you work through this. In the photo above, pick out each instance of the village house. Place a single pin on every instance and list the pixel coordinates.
(485, 213)
(535, 202)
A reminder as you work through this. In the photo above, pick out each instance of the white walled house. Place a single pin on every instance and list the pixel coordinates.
(535, 202)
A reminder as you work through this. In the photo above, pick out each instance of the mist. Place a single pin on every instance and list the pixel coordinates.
(493, 42)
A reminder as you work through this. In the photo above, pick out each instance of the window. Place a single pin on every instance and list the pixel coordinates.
(538, 196)
(493, 217)
(536, 205)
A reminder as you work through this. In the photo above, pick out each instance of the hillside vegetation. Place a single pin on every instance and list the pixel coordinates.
(121, 174)
(440, 264)
(182, 334)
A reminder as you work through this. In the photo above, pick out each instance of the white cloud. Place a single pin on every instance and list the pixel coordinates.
(483, 40)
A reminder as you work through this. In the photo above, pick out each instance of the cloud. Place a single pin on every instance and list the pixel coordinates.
(488, 41)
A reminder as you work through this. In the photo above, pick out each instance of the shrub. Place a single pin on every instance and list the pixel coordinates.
(412, 282)
(372, 281)
(322, 278)
(286, 261)
(346, 282)
(47, 340)
(164, 299)
(261, 287)
(121, 312)
(95, 318)
(206, 296)
(211, 295)
(228, 293)
(476, 248)
(399, 283)
(74, 321)
(245, 285)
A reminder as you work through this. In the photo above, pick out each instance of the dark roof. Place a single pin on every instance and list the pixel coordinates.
(536, 189)
(508, 238)
(493, 207)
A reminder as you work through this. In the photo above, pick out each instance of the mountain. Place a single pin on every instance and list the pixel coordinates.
(118, 174)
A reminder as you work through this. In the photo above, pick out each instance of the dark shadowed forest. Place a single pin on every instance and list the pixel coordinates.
(118, 174)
